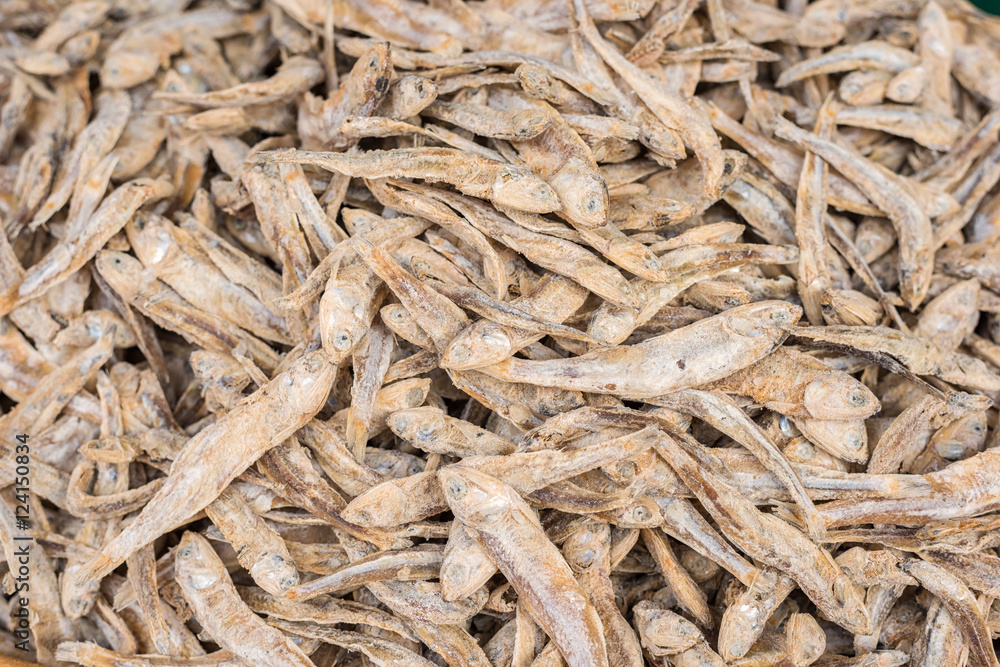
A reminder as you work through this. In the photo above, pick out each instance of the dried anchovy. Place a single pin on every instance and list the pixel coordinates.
(513, 333)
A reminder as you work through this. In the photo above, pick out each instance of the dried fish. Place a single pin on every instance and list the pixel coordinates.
(416, 497)
(296, 75)
(77, 249)
(504, 525)
(665, 633)
(208, 589)
(802, 387)
(691, 356)
(539, 264)
(505, 184)
(909, 217)
(960, 602)
(259, 548)
(238, 440)
(814, 570)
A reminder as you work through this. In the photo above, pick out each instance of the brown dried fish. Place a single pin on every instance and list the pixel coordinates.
(537, 263)
(691, 356)
(503, 524)
(506, 184)
(303, 385)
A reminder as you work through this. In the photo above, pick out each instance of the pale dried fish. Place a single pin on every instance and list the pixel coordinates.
(505, 184)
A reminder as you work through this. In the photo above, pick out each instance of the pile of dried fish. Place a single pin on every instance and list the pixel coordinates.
(499, 333)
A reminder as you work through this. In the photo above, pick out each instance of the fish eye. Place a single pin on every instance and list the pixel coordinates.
(456, 488)
(779, 316)
(342, 340)
(586, 558)
(185, 552)
(857, 398)
(641, 514)
(627, 469)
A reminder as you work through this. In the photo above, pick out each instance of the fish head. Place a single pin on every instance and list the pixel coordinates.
(196, 563)
(123, 272)
(643, 513)
(662, 629)
(611, 324)
(846, 438)
(412, 95)
(529, 123)
(417, 90)
(417, 425)
(398, 318)
(839, 396)
(483, 346)
(474, 497)
(151, 238)
(962, 438)
(308, 375)
(588, 545)
(764, 318)
(382, 506)
(129, 68)
(456, 580)
(524, 191)
(583, 193)
(374, 69)
(535, 80)
(275, 574)
(342, 319)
